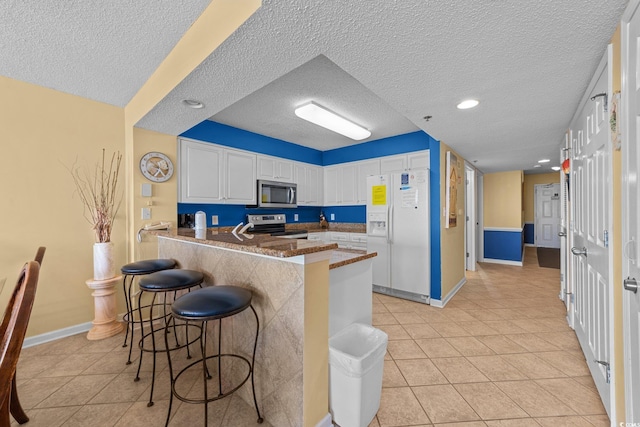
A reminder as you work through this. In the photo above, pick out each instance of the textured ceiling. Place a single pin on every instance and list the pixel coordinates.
(101, 50)
(528, 62)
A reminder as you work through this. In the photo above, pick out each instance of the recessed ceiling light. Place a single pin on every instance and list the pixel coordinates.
(537, 166)
(192, 103)
(468, 103)
(544, 161)
(555, 168)
(321, 116)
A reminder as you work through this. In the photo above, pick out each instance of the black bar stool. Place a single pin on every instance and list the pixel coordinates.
(129, 273)
(213, 303)
(163, 282)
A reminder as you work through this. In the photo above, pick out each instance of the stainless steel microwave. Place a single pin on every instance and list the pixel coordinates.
(273, 194)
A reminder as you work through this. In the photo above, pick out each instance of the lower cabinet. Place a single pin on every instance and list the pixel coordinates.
(344, 240)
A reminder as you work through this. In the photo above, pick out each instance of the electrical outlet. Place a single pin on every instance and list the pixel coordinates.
(214, 219)
(295, 217)
(146, 213)
(333, 217)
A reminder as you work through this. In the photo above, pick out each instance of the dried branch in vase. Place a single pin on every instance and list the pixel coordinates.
(99, 194)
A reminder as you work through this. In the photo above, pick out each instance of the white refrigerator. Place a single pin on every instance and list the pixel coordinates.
(398, 230)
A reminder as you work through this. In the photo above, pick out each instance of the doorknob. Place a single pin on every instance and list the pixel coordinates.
(578, 251)
(631, 284)
(561, 233)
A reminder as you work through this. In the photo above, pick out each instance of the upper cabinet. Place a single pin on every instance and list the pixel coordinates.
(275, 169)
(309, 180)
(366, 168)
(213, 174)
(403, 162)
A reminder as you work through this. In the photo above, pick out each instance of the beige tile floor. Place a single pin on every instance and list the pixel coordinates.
(499, 354)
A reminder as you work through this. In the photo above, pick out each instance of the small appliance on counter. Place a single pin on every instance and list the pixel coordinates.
(186, 220)
(273, 224)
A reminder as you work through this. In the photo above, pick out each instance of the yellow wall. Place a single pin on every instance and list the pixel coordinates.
(43, 132)
(529, 187)
(452, 239)
(164, 195)
(503, 199)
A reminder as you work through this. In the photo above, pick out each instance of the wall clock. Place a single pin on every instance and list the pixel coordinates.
(156, 167)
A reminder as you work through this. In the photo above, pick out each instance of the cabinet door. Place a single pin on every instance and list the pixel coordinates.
(240, 177)
(331, 182)
(418, 160)
(266, 167)
(200, 172)
(284, 171)
(393, 164)
(314, 185)
(365, 169)
(300, 173)
(348, 184)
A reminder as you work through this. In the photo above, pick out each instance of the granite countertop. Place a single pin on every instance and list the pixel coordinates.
(254, 243)
(342, 257)
(268, 245)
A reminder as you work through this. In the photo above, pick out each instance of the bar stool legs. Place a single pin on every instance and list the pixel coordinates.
(206, 376)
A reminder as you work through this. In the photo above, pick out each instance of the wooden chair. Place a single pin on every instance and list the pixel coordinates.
(12, 332)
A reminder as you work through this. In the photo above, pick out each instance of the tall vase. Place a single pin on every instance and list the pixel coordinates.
(104, 266)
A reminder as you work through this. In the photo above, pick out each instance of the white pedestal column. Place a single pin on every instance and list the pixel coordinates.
(104, 296)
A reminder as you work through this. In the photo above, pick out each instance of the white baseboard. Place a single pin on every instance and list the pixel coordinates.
(531, 245)
(503, 261)
(325, 422)
(55, 335)
(441, 303)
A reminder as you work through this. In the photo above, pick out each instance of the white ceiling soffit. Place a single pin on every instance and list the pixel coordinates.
(101, 50)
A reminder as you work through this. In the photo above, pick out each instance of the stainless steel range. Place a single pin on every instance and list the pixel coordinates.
(274, 224)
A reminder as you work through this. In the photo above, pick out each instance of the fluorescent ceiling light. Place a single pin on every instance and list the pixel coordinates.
(555, 168)
(468, 103)
(544, 161)
(537, 166)
(320, 116)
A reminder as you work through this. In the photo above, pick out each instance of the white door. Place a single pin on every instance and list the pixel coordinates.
(470, 211)
(547, 215)
(591, 203)
(564, 226)
(631, 209)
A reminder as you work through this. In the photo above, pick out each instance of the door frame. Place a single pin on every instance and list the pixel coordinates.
(471, 208)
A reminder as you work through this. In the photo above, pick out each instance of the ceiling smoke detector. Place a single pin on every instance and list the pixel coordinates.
(192, 103)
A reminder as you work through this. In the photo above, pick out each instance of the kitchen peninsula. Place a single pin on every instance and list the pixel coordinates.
(303, 291)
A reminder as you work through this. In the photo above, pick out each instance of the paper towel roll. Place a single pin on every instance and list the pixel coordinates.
(201, 220)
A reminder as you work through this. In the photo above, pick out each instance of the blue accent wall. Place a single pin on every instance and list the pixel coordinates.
(503, 245)
(229, 136)
(434, 204)
(399, 144)
(346, 213)
(231, 215)
(529, 233)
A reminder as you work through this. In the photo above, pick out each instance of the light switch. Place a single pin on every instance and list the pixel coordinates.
(146, 190)
(146, 213)
(214, 219)
(333, 217)
(295, 217)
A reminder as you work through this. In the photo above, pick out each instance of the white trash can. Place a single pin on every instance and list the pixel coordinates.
(356, 361)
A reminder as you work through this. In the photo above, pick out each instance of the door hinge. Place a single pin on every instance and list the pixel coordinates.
(607, 366)
(467, 254)
(605, 238)
(467, 218)
(561, 277)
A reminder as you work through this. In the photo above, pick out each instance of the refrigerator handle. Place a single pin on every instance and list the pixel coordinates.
(390, 225)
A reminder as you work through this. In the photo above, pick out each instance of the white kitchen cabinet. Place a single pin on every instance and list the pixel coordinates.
(418, 160)
(393, 163)
(365, 168)
(275, 169)
(340, 186)
(200, 174)
(358, 241)
(309, 181)
(317, 236)
(240, 177)
(210, 173)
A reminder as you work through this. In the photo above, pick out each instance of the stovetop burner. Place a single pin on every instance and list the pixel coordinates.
(273, 224)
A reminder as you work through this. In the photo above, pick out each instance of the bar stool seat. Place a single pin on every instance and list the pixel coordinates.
(130, 272)
(206, 304)
(163, 282)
